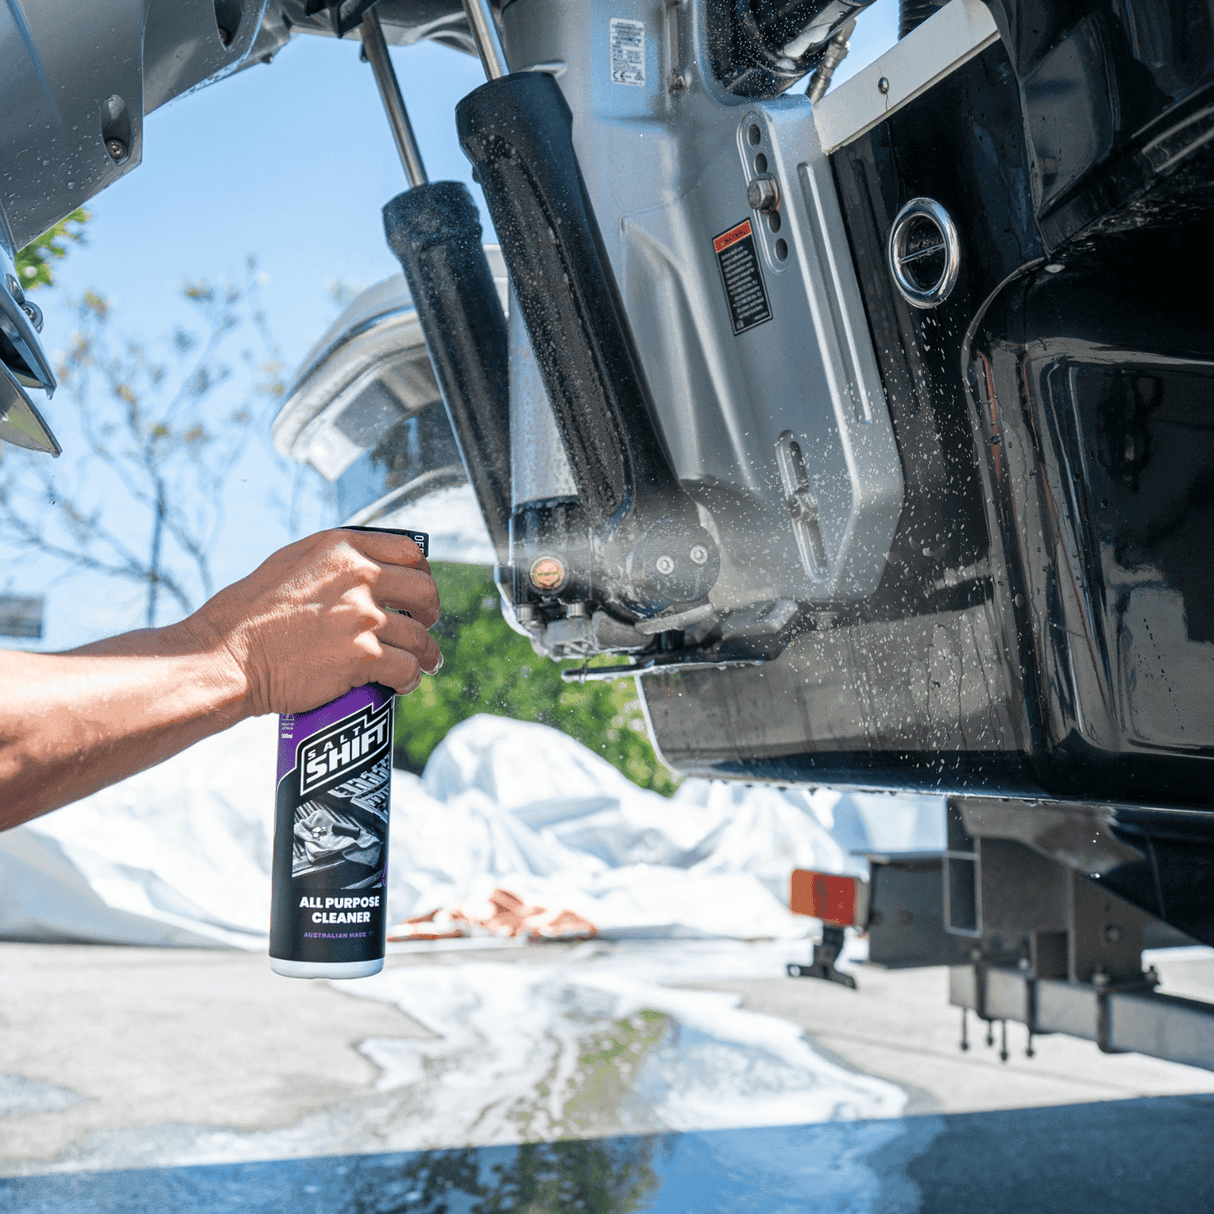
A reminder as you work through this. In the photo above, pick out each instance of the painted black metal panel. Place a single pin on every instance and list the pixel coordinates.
(1111, 89)
(913, 688)
(1046, 625)
(1096, 394)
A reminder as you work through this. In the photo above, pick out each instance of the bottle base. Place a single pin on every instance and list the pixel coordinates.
(326, 969)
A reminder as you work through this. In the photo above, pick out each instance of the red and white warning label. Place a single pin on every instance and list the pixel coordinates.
(742, 276)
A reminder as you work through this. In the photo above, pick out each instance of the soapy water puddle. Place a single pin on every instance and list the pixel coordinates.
(552, 1046)
(604, 1041)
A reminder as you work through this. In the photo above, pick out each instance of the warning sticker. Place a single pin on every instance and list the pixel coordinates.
(743, 279)
(627, 51)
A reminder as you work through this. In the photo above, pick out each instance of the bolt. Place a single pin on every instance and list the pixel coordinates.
(117, 150)
(225, 36)
(1112, 933)
(665, 565)
(577, 611)
(525, 613)
(883, 85)
(763, 193)
(698, 554)
(33, 312)
(802, 506)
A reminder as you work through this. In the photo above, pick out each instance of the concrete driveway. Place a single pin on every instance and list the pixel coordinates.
(670, 1076)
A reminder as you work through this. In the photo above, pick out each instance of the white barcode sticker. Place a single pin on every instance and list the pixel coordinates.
(627, 51)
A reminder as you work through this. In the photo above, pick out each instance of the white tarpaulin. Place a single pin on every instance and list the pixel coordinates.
(180, 854)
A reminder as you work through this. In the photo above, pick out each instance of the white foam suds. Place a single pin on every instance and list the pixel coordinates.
(604, 1041)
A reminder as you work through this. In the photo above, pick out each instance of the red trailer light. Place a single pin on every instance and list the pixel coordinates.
(836, 900)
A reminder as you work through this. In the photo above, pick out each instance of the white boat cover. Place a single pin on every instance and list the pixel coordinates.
(180, 854)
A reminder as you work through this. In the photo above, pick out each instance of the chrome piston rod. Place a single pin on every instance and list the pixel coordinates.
(376, 51)
(488, 40)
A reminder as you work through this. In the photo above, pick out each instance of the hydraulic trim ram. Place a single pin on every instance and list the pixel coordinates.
(720, 225)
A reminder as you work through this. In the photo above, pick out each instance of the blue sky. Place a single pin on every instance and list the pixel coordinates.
(292, 163)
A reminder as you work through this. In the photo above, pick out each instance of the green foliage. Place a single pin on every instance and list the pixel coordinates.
(487, 667)
(573, 1177)
(35, 263)
(578, 1176)
(609, 1060)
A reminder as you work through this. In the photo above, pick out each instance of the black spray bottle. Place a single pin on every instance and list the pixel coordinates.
(330, 867)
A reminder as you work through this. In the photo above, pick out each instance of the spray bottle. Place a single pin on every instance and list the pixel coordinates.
(330, 868)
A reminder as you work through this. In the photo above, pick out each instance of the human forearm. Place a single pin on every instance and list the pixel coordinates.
(334, 611)
(75, 722)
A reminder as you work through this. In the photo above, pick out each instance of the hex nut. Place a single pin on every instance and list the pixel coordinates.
(763, 193)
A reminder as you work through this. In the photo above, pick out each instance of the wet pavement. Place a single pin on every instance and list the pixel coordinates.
(668, 1076)
(1128, 1156)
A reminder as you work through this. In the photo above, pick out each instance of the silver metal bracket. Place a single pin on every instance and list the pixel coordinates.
(20, 421)
(802, 505)
(662, 663)
(723, 227)
(1053, 949)
(1127, 1018)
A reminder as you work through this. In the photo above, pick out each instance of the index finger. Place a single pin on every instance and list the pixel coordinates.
(387, 549)
(410, 591)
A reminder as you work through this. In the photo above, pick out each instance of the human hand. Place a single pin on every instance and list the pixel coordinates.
(321, 616)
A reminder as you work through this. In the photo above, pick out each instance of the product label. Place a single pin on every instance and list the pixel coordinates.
(742, 276)
(333, 755)
(627, 51)
(331, 830)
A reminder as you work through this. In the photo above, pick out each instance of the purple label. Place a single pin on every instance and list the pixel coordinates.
(332, 805)
(300, 727)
